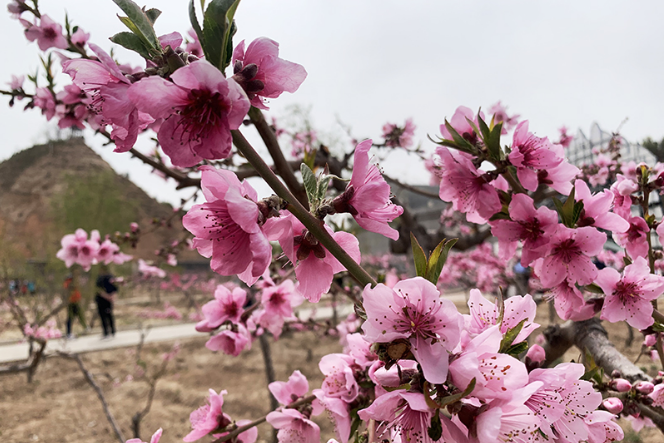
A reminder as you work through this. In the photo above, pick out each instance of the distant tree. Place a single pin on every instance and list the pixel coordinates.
(656, 148)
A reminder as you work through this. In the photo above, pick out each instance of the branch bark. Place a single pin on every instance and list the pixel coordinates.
(591, 336)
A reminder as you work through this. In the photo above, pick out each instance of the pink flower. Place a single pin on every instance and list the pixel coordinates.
(469, 190)
(530, 153)
(48, 34)
(155, 438)
(17, 82)
(208, 418)
(657, 395)
(45, 101)
(413, 310)
(367, 196)
(227, 306)
(270, 76)
(293, 427)
(174, 40)
(339, 379)
(565, 139)
(635, 238)
(500, 116)
(194, 46)
(404, 413)
(278, 302)
(69, 252)
(533, 226)
(484, 314)
(597, 209)
(628, 296)
(567, 299)
(602, 428)
(572, 400)
(496, 375)
(200, 108)
(570, 256)
(150, 271)
(108, 88)
(396, 136)
(227, 226)
(459, 122)
(536, 353)
(229, 341)
(295, 388)
(80, 37)
(314, 265)
(559, 177)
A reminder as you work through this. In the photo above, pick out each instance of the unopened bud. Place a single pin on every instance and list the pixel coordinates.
(650, 340)
(645, 387)
(613, 405)
(621, 385)
(536, 354)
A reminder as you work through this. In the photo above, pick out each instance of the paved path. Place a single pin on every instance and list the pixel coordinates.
(19, 351)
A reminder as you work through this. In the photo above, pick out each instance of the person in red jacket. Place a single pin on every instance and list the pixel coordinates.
(73, 304)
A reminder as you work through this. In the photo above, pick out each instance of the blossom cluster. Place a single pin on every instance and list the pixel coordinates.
(77, 248)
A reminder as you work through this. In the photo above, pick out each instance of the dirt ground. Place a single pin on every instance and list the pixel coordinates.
(59, 406)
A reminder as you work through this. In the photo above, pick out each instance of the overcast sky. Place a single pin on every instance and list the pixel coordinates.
(554, 63)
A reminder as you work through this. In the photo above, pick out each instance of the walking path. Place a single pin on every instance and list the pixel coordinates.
(19, 351)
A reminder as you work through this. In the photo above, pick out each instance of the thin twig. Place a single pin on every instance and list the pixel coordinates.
(100, 393)
(241, 429)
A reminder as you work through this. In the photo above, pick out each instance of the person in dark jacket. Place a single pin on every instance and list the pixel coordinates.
(105, 297)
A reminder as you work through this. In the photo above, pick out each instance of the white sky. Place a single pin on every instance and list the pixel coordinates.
(372, 61)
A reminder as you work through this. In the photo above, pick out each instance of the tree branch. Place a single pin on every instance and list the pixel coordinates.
(314, 225)
(280, 164)
(591, 336)
(99, 392)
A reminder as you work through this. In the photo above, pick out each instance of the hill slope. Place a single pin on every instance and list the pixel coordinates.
(49, 190)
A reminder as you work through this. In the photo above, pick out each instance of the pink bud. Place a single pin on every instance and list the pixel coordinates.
(613, 405)
(536, 354)
(621, 385)
(134, 226)
(650, 340)
(645, 387)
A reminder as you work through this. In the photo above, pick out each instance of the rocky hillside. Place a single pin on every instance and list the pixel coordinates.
(49, 190)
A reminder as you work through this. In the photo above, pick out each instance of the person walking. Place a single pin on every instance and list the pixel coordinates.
(73, 304)
(105, 297)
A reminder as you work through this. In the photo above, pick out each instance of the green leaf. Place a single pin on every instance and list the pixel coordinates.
(309, 180)
(593, 288)
(657, 327)
(217, 31)
(456, 397)
(500, 216)
(419, 257)
(462, 143)
(510, 336)
(578, 207)
(132, 42)
(153, 14)
(323, 183)
(567, 209)
(437, 260)
(493, 142)
(435, 431)
(141, 23)
(517, 349)
(194, 23)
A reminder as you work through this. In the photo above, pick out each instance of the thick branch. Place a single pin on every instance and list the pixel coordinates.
(280, 164)
(315, 226)
(591, 336)
(99, 392)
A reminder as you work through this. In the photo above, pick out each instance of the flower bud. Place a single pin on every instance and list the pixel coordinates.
(650, 340)
(645, 387)
(621, 385)
(616, 374)
(536, 353)
(613, 405)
